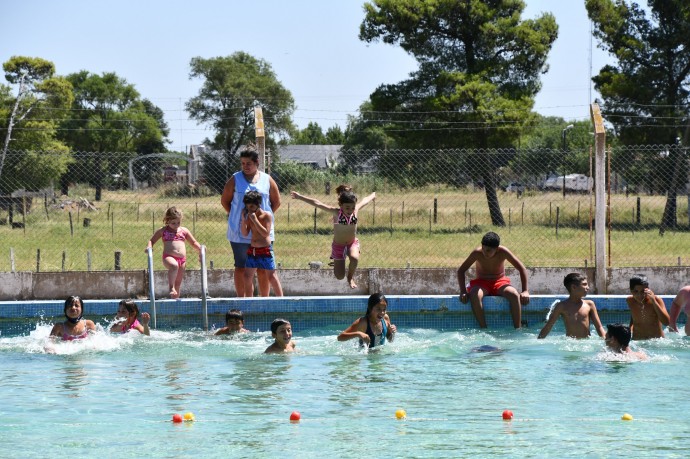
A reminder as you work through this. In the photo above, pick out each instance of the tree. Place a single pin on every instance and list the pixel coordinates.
(110, 125)
(310, 135)
(479, 67)
(647, 94)
(335, 136)
(232, 86)
(29, 120)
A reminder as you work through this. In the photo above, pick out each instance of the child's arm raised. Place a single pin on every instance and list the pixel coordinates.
(392, 329)
(313, 201)
(365, 201)
(245, 227)
(261, 225)
(659, 308)
(144, 327)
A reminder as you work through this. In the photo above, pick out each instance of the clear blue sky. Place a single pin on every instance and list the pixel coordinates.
(312, 46)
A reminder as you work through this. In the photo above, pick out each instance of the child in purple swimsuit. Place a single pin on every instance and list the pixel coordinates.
(174, 248)
(127, 315)
(75, 327)
(345, 243)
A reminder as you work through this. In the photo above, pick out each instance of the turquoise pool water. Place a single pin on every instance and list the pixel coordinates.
(114, 395)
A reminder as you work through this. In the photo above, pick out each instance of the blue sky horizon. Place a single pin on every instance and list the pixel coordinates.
(312, 46)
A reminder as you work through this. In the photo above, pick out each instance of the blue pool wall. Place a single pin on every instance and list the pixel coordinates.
(314, 313)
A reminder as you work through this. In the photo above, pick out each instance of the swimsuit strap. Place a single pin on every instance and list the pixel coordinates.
(343, 219)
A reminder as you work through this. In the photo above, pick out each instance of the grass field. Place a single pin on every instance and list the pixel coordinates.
(433, 227)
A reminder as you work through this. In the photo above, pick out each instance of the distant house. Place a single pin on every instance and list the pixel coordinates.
(316, 156)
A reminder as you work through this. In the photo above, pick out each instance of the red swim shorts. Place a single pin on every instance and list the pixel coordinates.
(491, 287)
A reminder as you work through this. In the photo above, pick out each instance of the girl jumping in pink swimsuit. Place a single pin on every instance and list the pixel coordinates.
(345, 242)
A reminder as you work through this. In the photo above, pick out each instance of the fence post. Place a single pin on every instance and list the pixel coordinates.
(435, 210)
(38, 260)
(64, 257)
(71, 226)
(118, 260)
(314, 220)
(558, 213)
(639, 207)
(600, 197)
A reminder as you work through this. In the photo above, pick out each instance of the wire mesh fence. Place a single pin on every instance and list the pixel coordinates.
(431, 206)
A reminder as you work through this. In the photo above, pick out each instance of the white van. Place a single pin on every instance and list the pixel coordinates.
(573, 182)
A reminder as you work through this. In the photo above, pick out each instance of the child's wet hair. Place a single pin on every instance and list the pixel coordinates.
(277, 323)
(252, 197)
(491, 239)
(345, 195)
(375, 299)
(70, 300)
(620, 332)
(638, 279)
(234, 314)
(573, 279)
(172, 214)
(131, 307)
(342, 188)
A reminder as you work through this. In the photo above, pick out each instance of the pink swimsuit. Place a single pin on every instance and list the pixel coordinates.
(125, 328)
(67, 337)
(175, 236)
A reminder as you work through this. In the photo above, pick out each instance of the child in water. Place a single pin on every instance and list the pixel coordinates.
(618, 340)
(577, 312)
(75, 327)
(345, 242)
(128, 319)
(647, 311)
(174, 248)
(281, 330)
(375, 327)
(234, 323)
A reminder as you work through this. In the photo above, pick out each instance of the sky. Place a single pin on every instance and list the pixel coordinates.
(312, 46)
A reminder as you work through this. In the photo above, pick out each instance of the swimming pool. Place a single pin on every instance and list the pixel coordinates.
(113, 395)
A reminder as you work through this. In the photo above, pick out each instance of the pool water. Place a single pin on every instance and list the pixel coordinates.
(114, 396)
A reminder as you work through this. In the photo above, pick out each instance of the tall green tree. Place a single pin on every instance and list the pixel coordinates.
(646, 94)
(109, 125)
(232, 86)
(479, 68)
(310, 135)
(29, 120)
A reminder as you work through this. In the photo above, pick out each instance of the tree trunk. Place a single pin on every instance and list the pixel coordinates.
(492, 199)
(669, 219)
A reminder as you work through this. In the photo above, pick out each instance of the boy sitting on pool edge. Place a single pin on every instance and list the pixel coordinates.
(282, 333)
(489, 261)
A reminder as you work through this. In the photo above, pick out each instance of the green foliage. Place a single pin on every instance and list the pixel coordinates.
(232, 86)
(310, 135)
(109, 116)
(647, 94)
(29, 122)
(479, 68)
